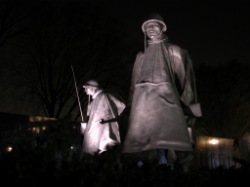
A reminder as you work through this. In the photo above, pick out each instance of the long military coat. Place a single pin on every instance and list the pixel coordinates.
(163, 83)
(102, 129)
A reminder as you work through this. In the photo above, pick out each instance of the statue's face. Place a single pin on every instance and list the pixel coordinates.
(153, 30)
(89, 90)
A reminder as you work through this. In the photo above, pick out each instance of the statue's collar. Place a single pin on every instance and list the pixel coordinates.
(158, 40)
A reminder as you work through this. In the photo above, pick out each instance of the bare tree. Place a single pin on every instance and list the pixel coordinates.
(13, 23)
(13, 20)
(67, 35)
(236, 119)
(224, 95)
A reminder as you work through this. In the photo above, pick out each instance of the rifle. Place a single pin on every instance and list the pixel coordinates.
(77, 93)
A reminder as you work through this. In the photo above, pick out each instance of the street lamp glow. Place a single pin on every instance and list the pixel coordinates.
(9, 149)
(213, 141)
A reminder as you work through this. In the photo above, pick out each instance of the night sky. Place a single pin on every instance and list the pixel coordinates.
(214, 31)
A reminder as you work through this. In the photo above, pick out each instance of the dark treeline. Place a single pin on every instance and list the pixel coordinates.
(224, 94)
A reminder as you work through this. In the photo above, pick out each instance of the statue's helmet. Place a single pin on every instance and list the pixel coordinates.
(154, 17)
(91, 83)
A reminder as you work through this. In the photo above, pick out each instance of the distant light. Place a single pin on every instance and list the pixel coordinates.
(36, 130)
(9, 149)
(213, 141)
(40, 119)
(72, 147)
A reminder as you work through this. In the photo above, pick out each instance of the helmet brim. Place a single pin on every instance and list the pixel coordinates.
(164, 28)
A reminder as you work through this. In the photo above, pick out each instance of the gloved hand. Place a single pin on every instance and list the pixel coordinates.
(83, 127)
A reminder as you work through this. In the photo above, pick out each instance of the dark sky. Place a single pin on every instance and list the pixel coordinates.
(213, 31)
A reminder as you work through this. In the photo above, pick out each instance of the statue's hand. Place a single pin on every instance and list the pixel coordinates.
(83, 127)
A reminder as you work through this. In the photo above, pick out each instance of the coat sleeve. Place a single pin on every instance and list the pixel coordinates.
(189, 94)
(116, 104)
(185, 81)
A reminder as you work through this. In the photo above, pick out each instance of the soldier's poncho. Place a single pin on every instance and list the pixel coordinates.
(162, 84)
(102, 129)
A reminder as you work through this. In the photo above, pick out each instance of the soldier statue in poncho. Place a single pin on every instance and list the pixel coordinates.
(101, 131)
(163, 96)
